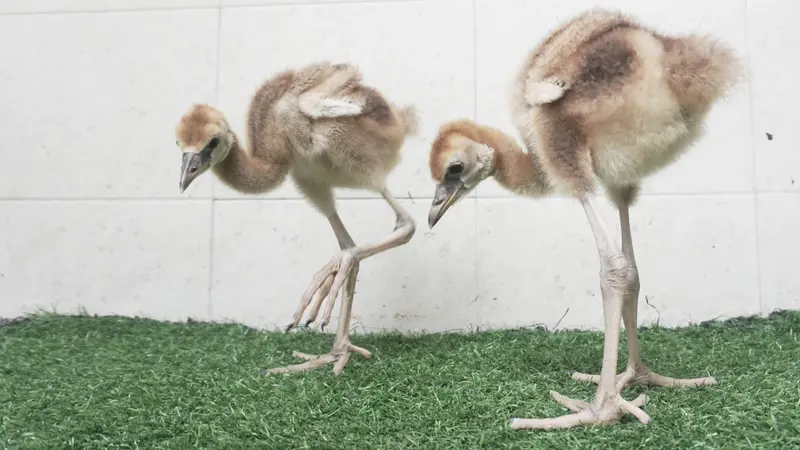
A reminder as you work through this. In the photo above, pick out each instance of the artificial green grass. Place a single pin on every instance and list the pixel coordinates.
(109, 382)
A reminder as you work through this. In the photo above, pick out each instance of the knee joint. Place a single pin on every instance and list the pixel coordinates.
(619, 275)
(407, 223)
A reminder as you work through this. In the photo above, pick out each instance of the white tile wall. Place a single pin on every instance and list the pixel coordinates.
(694, 261)
(697, 257)
(297, 2)
(66, 6)
(89, 101)
(772, 38)
(267, 251)
(536, 259)
(91, 216)
(778, 213)
(145, 258)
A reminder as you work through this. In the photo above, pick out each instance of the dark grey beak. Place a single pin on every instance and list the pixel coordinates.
(447, 193)
(190, 169)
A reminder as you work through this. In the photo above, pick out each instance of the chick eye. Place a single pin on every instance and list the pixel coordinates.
(213, 142)
(455, 169)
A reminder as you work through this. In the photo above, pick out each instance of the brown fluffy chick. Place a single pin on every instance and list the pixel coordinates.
(327, 129)
(602, 101)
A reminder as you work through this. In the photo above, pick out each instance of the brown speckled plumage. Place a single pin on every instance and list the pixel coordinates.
(354, 151)
(603, 101)
(633, 101)
(326, 129)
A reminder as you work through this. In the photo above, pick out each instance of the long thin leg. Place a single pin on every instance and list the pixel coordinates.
(345, 242)
(342, 342)
(339, 266)
(341, 345)
(340, 353)
(608, 406)
(630, 304)
(342, 271)
(637, 371)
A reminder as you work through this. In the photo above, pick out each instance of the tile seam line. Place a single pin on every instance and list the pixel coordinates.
(412, 198)
(90, 11)
(756, 193)
(200, 8)
(476, 197)
(212, 213)
(320, 3)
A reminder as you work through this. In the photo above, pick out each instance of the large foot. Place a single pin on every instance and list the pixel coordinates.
(605, 410)
(338, 357)
(642, 375)
(327, 283)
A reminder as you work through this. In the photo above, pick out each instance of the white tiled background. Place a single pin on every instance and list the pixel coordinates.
(91, 217)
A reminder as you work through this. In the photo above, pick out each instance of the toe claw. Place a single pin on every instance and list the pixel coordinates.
(585, 413)
(336, 357)
(640, 401)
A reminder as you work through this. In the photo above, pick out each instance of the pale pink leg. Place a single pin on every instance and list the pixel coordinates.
(608, 406)
(637, 371)
(340, 273)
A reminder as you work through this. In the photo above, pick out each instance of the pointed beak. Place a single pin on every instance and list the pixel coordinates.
(447, 193)
(190, 169)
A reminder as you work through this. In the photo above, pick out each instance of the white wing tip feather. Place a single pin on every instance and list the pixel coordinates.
(338, 108)
(545, 91)
(317, 107)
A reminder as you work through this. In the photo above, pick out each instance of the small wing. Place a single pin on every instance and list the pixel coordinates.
(334, 95)
(316, 106)
(543, 92)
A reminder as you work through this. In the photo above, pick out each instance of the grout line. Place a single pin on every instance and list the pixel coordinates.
(475, 73)
(318, 3)
(479, 313)
(651, 195)
(345, 199)
(338, 199)
(755, 160)
(56, 12)
(210, 305)
(195, 8)
(101, 199)
(475, 60)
